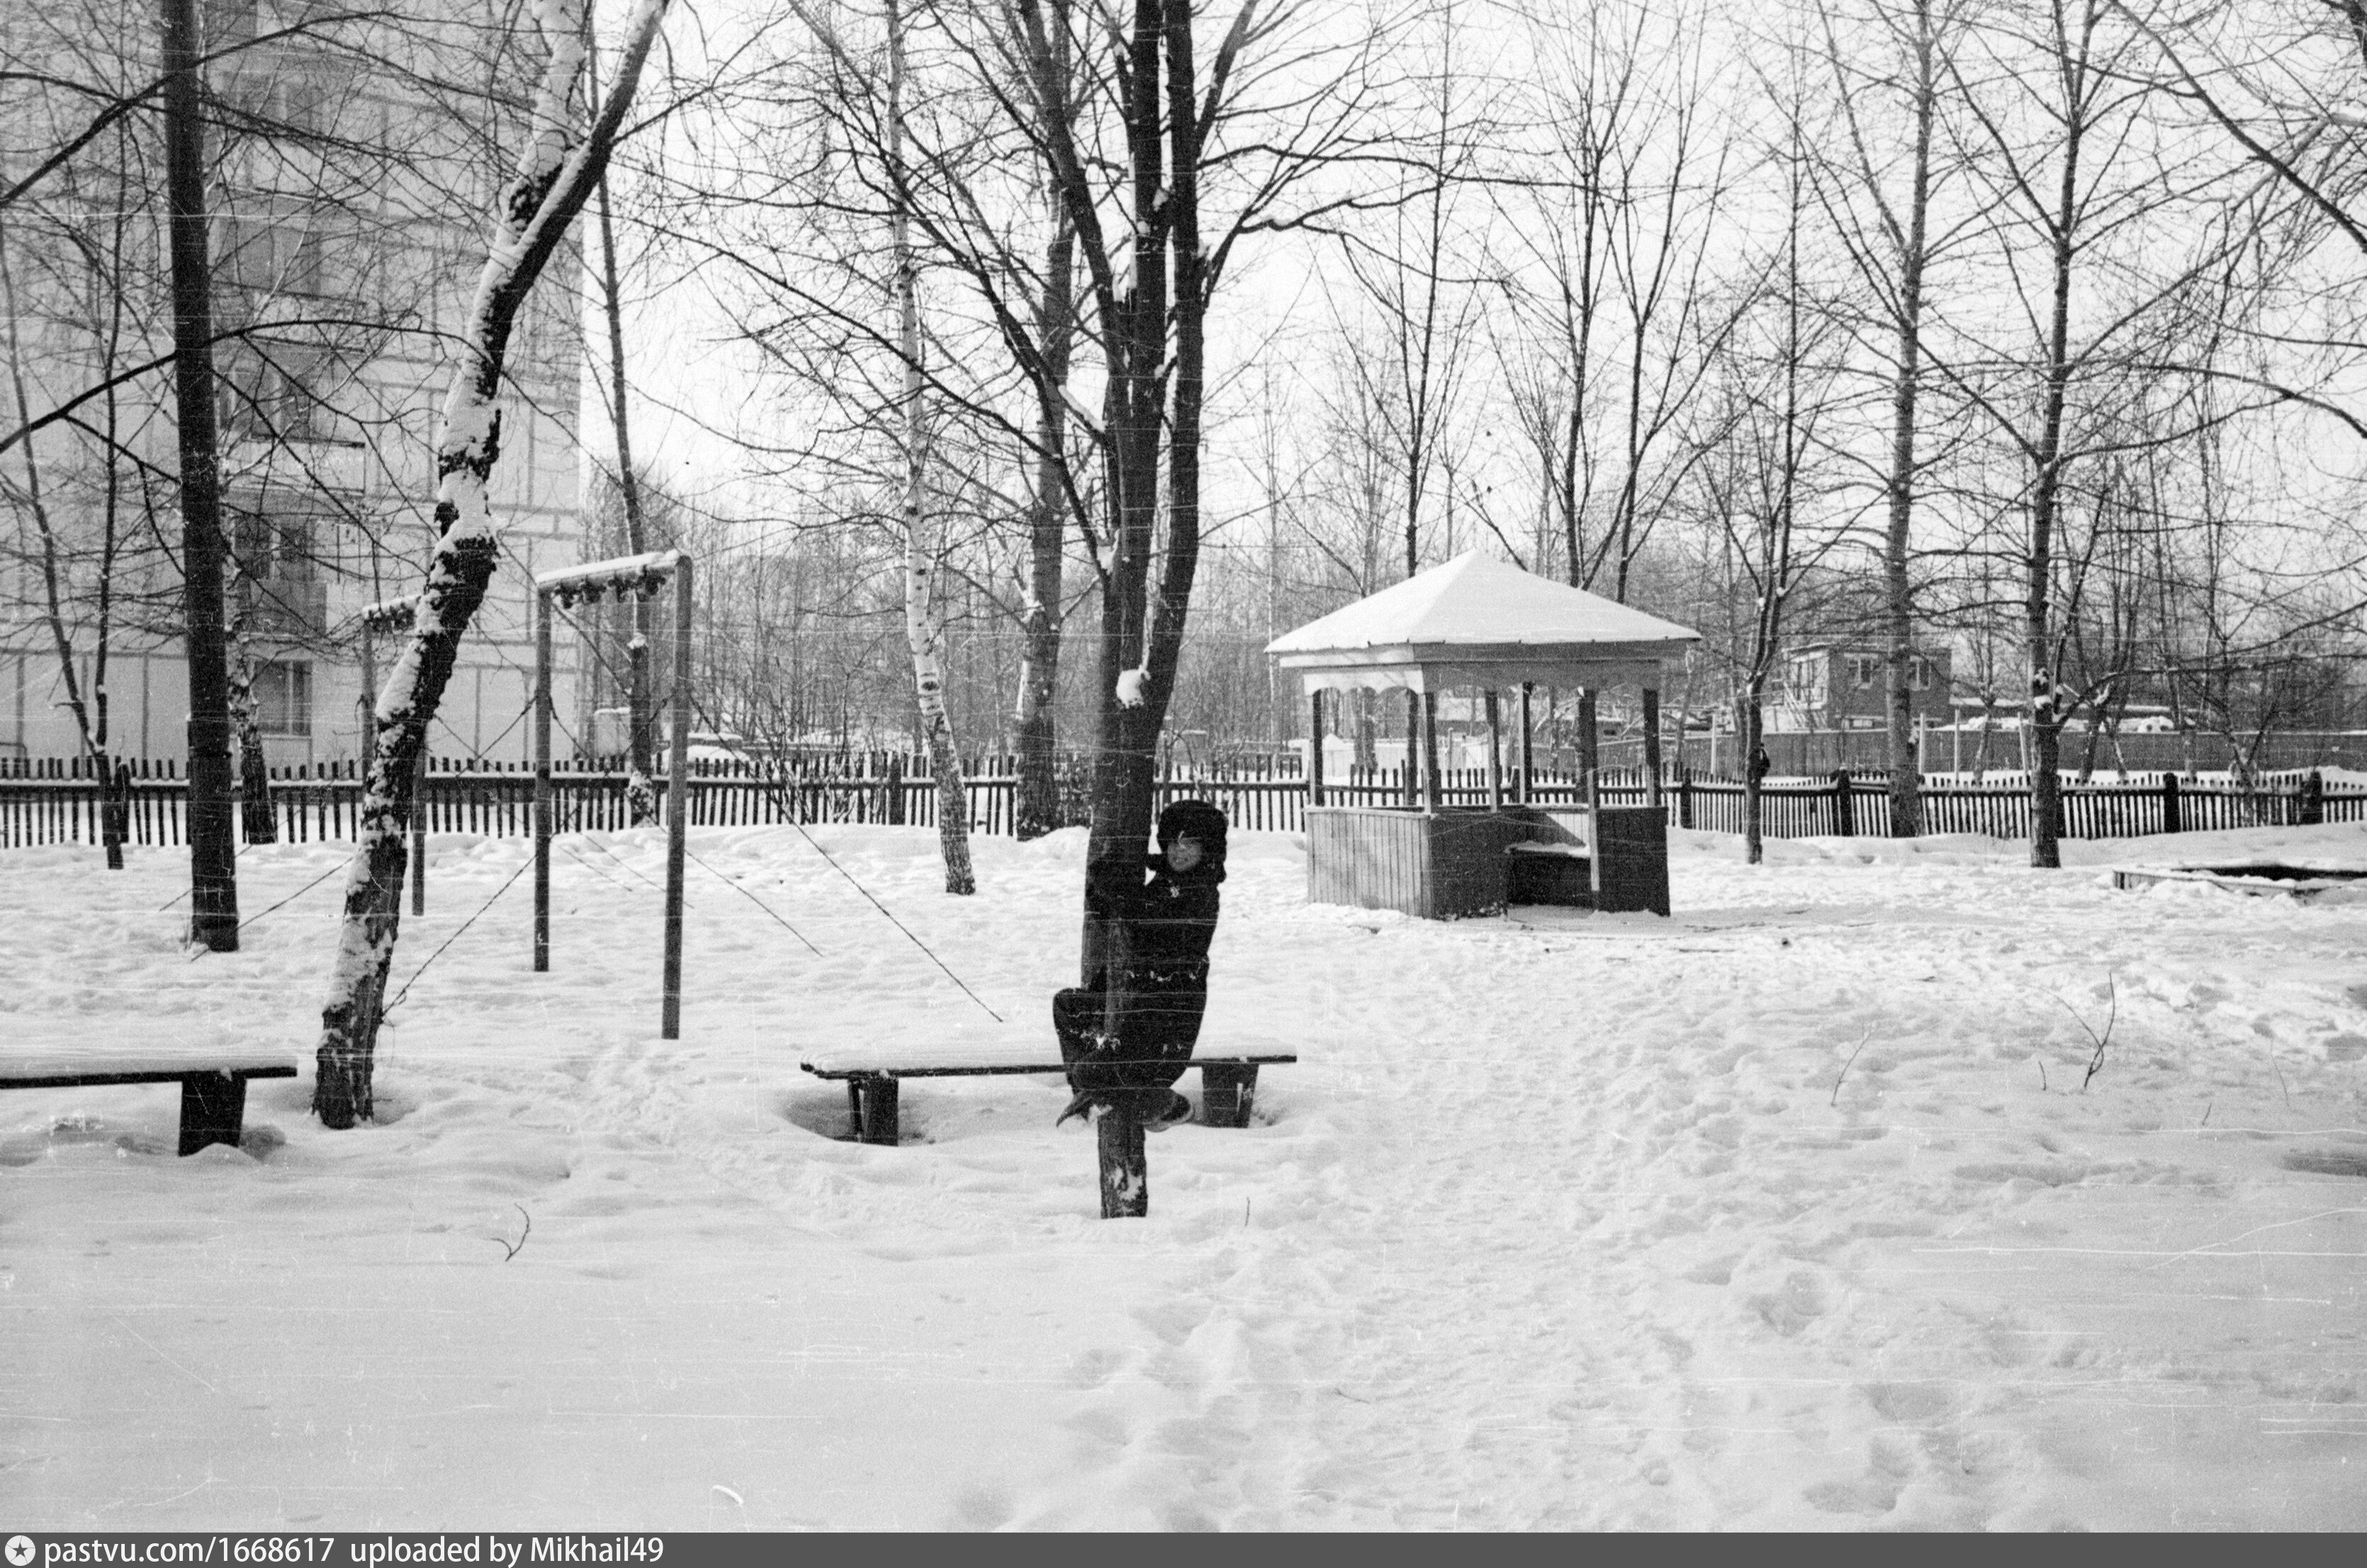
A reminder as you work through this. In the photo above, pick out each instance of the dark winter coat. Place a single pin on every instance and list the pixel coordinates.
(1164, 927)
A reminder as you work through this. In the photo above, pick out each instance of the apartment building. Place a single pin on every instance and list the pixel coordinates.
(352, 163)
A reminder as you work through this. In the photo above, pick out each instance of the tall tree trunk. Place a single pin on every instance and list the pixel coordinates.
(2045, 726)
(256, 821)
(556, 172)
(1128, 705)
(1039, 805)
(924, 619)
(117, 814)
(1906, 784)
(1754, 736)
(213, 848)
(640, 742)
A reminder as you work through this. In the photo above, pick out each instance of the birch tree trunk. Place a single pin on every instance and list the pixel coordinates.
(559, 166)
(924, 623)
(255, 819)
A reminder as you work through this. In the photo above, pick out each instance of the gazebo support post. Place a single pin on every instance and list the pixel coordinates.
(1414, 750)
(1495, 754)
(1433, 794)
(1590, 752)
(1528, 770)
(1314, 748)
(1590, 760)
(1651, 746)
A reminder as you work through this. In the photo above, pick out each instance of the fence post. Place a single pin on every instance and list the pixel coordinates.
(1684, 795)
(896, 789)
(2313, 799)
(1844, 805)
(2170, 811)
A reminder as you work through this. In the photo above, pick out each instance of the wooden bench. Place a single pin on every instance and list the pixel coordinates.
(214, 1089)
(1227, 1080)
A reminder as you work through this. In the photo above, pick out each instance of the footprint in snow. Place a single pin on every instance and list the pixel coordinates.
(1790, 1309)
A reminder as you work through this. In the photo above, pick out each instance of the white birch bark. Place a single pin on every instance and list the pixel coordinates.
(924, 622)
(558, 164)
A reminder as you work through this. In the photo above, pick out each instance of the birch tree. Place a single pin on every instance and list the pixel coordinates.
(925, 626)
(559, 165)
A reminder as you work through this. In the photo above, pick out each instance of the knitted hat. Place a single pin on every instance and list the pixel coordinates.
(1197, 820)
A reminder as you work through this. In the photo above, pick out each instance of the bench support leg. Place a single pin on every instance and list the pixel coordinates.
(875, 1109)
(1226, 1091)
(1126, 1173)
(213, 1109)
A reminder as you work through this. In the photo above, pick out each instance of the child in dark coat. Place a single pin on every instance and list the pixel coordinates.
(1161, 960)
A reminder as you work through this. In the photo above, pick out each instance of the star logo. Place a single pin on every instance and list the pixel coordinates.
(20, 1550)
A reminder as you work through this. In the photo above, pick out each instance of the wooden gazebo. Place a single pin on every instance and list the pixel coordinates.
(1481, 623)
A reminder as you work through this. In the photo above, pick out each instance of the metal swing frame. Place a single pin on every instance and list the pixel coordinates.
(644, 576)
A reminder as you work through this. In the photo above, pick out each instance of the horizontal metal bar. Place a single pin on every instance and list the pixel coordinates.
(654, 563)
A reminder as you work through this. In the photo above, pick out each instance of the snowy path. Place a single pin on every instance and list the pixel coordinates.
(1761, 1217)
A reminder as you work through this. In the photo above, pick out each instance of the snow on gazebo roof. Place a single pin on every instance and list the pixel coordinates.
(1476, 622)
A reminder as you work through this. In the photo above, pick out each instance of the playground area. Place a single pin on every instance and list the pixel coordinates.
(1816, 1205)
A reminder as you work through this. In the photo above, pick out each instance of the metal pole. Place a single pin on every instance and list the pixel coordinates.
(541, 783)
(677, 800)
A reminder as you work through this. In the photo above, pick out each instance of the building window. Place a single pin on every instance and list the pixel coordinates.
(283, 699)
(1919, 672)
(280, 393)
(276, 549)
(1808, 681)
(1864, 670)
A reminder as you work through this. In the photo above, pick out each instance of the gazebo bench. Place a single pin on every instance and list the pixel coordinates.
(213, 1092)
(1227, 1080)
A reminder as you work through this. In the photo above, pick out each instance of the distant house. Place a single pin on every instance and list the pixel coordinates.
(1839, 686)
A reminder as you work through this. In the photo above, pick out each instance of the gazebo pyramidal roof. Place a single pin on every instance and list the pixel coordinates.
(1477, 622)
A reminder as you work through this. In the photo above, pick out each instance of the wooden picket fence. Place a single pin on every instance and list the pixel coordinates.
(59, 800)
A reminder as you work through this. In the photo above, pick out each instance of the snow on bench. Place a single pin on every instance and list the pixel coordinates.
(211, 1070)
(1228, 1078)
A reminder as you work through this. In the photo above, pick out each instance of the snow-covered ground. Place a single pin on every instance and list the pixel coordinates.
(1792, 1211)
